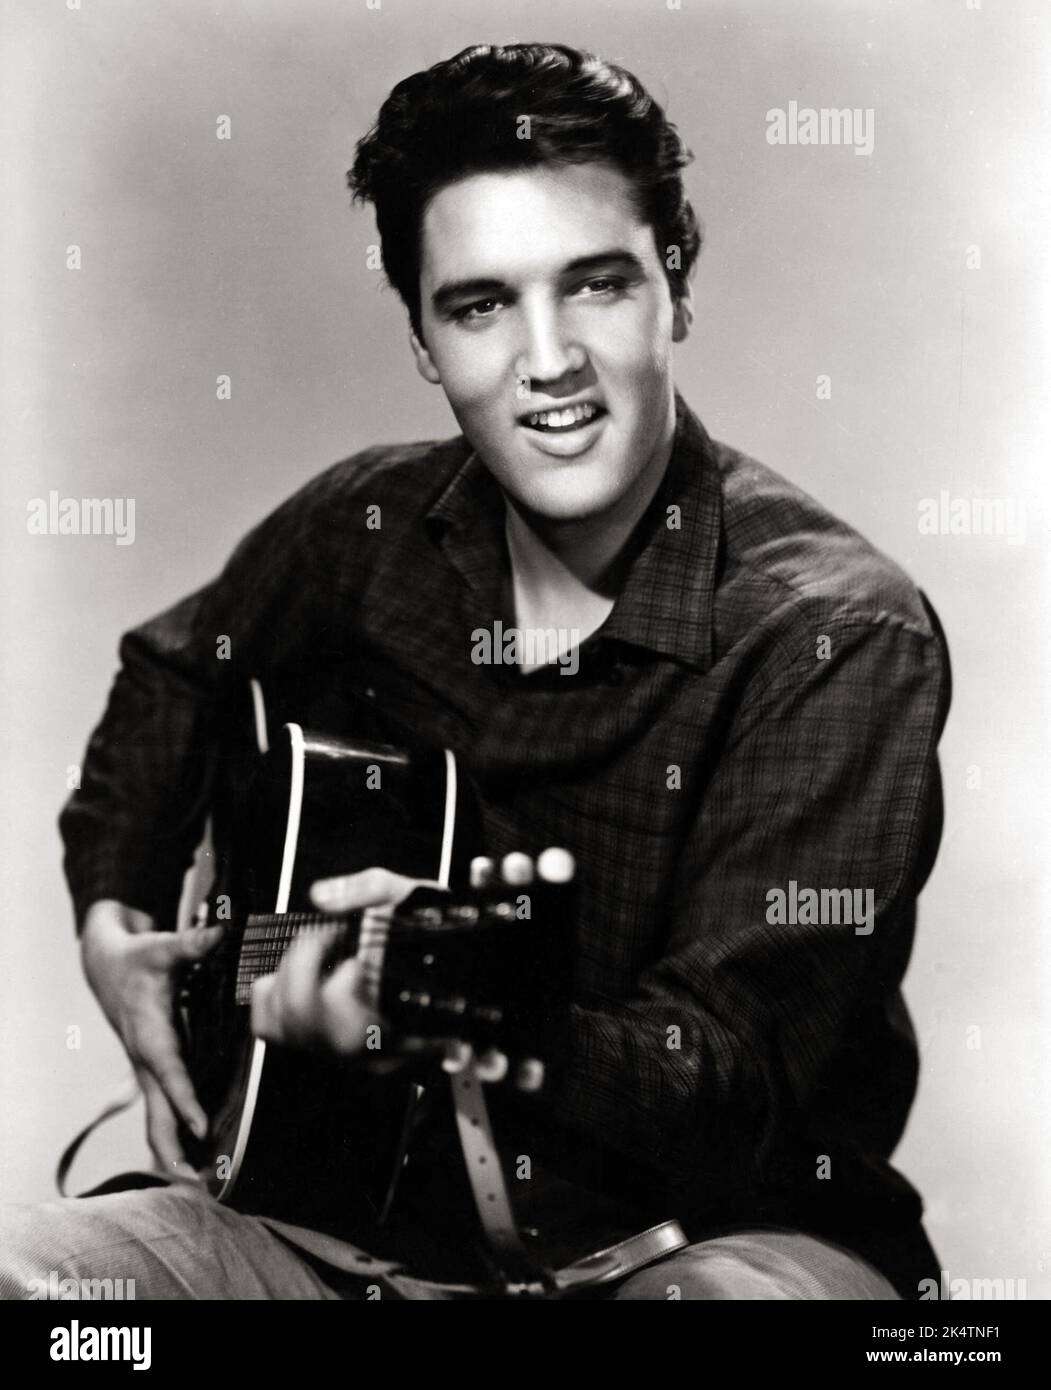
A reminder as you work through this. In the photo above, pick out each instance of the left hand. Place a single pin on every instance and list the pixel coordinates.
(301, 1006)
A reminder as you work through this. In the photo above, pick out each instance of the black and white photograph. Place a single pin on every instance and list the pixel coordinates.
(526, 705)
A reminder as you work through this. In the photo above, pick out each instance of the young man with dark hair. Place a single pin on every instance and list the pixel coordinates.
(748, 728)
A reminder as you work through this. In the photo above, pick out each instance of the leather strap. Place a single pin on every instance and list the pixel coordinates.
(603, 1267)
(69, 1153)
(620, 1260)
(488, 1187)
(521, 1274)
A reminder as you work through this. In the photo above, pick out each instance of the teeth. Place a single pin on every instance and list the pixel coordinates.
(563, 419)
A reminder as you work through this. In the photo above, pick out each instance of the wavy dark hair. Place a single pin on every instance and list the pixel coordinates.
(464, 115)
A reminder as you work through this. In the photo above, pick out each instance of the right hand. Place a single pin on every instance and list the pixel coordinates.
(131, 968)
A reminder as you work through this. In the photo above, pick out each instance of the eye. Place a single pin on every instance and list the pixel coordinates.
(480, 309)
(604, 285)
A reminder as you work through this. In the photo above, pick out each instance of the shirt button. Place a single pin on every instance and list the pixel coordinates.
(370, 694)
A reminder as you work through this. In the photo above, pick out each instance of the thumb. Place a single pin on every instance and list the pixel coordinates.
(198, 941)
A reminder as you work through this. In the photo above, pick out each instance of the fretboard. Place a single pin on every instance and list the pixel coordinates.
(268, 935)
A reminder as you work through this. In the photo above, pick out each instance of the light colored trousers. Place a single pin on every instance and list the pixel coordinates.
(177, 1242)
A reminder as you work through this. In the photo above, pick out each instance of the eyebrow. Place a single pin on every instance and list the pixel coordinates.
(454, 292)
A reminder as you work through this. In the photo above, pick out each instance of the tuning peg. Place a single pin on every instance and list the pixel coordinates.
(491, 1066)
(501, 912)
(517, 869)
(457, 1056)
(556, 866)
(462, 915)
(482, 871)
(427, 918)
(414, 998)
(530, 1074)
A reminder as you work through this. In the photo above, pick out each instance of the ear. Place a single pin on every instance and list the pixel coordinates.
(682, 320)
(424, 363)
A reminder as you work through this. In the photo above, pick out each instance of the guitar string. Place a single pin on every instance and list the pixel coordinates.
(266, 937)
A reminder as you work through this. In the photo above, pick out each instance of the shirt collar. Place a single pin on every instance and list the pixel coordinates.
(666, 604)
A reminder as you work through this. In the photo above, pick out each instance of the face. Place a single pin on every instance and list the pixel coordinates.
(547, 318)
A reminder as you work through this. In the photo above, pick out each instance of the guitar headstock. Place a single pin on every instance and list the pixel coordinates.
(487, 966)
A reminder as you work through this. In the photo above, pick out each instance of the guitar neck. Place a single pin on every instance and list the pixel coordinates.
(268, 935)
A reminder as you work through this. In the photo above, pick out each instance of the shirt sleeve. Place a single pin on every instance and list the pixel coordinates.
(828, 780)
(132, 827)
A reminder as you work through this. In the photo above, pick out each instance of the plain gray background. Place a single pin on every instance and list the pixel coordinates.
(203, 257)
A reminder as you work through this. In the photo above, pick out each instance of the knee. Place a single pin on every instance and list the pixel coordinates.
(25, 1266)
(699, 1274)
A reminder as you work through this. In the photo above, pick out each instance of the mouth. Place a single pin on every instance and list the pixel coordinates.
(565, 420)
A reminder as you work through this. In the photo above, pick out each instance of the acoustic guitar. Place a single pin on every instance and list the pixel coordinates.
(482, 957)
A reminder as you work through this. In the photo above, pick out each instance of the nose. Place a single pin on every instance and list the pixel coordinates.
(548, 355)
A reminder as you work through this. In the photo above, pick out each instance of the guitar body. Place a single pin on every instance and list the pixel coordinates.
(311, 1139)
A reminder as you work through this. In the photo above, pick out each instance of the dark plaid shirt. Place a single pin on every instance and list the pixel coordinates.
(761, 709)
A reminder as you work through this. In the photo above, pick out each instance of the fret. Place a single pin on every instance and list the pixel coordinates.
(267, 936)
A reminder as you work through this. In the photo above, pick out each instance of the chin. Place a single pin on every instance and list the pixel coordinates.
(572, 499)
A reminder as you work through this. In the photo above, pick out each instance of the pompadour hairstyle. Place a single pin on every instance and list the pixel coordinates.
(465, 115)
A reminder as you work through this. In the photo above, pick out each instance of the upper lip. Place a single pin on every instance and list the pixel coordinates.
(559, 405)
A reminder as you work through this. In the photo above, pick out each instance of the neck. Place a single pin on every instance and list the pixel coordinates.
(552, 555)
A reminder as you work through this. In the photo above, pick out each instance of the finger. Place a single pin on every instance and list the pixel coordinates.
(163, 948)
(492, 1065)
(346, 1014)
(530, 1075)
(199, 941)
(369, 888)
(167, 1068)
(162, 1130)
(297, 986)
(265, 1023)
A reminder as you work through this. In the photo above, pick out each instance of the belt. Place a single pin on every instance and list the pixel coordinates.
(603, 1267)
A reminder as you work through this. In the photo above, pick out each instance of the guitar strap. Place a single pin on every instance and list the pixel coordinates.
(485, 1173)
(519, 1273)
(591, 1273)
(69, 1153)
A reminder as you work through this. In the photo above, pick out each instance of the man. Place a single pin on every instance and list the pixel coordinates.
(736, 736)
